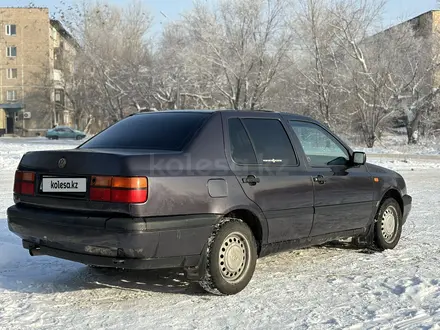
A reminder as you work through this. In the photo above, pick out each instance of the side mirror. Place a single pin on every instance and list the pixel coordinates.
(359, 158)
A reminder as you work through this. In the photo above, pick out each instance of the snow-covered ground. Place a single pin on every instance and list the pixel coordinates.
(397, 144)
(317, 288)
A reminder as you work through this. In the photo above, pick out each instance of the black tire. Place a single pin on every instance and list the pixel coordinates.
(388, 225)
(232, 241)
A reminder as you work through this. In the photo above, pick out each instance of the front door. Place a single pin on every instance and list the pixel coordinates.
(261, 155)
(343, 194)
(70, 134)
(10, 124)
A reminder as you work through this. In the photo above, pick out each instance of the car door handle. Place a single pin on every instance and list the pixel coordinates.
(319, 179)
(252, 180)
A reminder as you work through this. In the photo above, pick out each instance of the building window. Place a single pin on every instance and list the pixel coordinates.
(11, 29)
(59, 96)
(58, 56)
(12, 74)
(11, 95)
(11, 51)
(66, 118)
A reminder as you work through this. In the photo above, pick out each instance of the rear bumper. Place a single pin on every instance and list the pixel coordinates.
(407, 204)
(131, 243)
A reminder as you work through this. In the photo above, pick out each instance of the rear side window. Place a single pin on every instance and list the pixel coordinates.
(155, 131)
(271, 141)
(268, 139)
(242, 151)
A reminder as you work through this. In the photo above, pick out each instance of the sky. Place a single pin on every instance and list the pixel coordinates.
(396, 11)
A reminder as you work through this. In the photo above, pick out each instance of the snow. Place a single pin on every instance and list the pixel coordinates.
(392, 143)
(316, 288)
(12, 149)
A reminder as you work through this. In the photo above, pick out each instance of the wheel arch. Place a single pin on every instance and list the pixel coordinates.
(256, 223)
(392, 193)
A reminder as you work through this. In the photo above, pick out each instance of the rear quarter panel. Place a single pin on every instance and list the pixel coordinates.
(180, 184)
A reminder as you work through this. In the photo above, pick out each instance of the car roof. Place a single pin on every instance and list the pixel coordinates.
(286, 115)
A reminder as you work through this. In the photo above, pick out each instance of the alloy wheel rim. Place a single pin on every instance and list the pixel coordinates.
(234, 257)
(389, 224)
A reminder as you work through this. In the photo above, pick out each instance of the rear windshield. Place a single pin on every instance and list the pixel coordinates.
(155, 131)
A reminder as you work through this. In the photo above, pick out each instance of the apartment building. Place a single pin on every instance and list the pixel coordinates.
(36, 54)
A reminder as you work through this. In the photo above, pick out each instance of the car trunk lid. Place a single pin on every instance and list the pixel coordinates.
(63, 178)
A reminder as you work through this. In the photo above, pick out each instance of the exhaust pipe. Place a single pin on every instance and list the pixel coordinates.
(35, 252)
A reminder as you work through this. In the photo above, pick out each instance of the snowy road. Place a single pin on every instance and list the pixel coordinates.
(319, 288)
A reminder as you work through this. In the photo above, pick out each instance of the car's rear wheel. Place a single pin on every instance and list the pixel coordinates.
(388, 225)
(230, 258)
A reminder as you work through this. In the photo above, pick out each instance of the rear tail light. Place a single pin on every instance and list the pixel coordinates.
(24, 183)
(119, 189)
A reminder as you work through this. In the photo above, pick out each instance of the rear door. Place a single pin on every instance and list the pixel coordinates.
(61, 132)
(260, 153)
(343, 193)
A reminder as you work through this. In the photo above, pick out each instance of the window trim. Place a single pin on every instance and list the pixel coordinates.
(9, 27)
(241, 119)
(10, 70)
(332, 137)
(9, 51)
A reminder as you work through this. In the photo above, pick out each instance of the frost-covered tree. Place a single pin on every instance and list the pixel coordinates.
(387, 74)
(240, 47)
(323, 58)
(113, 71)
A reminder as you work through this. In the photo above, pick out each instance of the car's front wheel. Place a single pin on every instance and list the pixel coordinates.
(388, 226)
(230, 258)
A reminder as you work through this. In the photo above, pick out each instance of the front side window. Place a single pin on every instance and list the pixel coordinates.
(11, 51)
(271, 142)
(11, 29)
(320, 147)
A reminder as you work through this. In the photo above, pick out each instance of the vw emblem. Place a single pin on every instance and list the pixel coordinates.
(62, 163)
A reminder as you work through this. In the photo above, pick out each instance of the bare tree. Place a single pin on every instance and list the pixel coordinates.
(323, 58)
(115, 65)
(316, 60)
(240, 47)
(178, 82)
(418, 97)
(389, 73)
